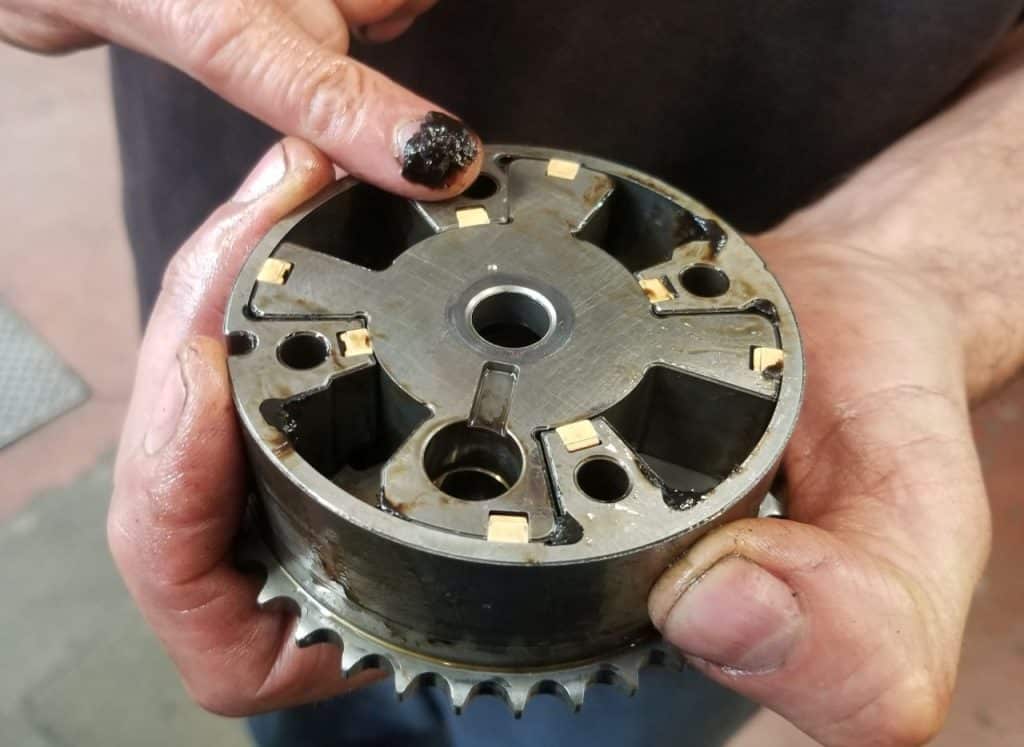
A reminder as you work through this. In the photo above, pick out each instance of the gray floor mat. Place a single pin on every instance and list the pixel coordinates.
(36, 386)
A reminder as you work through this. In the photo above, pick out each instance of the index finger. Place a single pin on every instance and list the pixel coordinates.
(254, 54)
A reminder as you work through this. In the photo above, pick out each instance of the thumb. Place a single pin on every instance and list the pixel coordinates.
(847, 646)
(288, 69)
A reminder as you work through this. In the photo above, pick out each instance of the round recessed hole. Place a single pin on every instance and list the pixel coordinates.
(603, 479)
(485, 186)
(303, 350)
(241, 343)
(705, 281)
(472, 464)
(511, 316)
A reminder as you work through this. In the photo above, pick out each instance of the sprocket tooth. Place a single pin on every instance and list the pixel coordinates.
(404, 682)
(625, 677)
(305, 628)
(460, 693)
(576, 690)
(275, 587)
(350, 656)
(355, 659)
(312, 629)
(664, 656)
(516, 697)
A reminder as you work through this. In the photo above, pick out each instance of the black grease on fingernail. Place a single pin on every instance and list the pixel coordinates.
(439, 150)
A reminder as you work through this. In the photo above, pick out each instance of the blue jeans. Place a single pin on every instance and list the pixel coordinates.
(670, 708)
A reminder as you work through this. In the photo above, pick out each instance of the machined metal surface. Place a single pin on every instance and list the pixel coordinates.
(480, 429)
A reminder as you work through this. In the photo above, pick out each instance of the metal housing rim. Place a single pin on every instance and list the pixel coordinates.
(756, 470)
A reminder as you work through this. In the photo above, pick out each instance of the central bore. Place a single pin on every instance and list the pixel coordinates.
(511, 316)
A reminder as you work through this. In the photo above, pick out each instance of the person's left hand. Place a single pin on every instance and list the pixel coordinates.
(847, 619)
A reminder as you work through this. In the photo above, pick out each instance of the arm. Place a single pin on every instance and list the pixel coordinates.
(946, 204)
(908, 282)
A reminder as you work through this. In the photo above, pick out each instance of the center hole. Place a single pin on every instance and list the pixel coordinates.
(512, 317)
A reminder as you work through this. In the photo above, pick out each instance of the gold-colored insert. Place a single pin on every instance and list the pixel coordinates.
(578, 436)
(655, 290)
(508, 528)
(356, 342)
(275, 271)
(768, 360)
(472, 216)
(561, 169)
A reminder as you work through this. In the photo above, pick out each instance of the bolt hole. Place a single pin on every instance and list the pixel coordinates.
(472, 464)
(485, 186)
(241, 343)
(303, 350)
(512, 317)
(603, 479)
(705, 281)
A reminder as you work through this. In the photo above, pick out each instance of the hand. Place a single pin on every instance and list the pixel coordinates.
(847, 619)
(179, 485)
(284, 61)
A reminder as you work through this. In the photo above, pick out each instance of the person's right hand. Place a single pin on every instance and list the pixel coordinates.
(283, 61)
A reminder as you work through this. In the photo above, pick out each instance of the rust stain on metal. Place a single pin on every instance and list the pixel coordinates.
(597, 189)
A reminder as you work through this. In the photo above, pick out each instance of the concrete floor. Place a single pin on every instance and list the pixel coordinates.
(77, 666)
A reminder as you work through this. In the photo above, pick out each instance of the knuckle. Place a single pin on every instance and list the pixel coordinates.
(181, 279)
(122, 524)
(370, 11)
(208, 32)
(419, 7)
(213, 696)
(51, 37)
(189, 270)
(912, 712)
(119, 540)
(327, 96)
(923, 713)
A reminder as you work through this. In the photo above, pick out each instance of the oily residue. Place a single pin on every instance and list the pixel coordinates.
(567, 531)
(439, 151)
(673, 497)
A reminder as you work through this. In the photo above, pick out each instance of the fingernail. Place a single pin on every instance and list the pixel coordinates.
(268, 174)
(167, 409)
(435, 150)
(736, 615)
